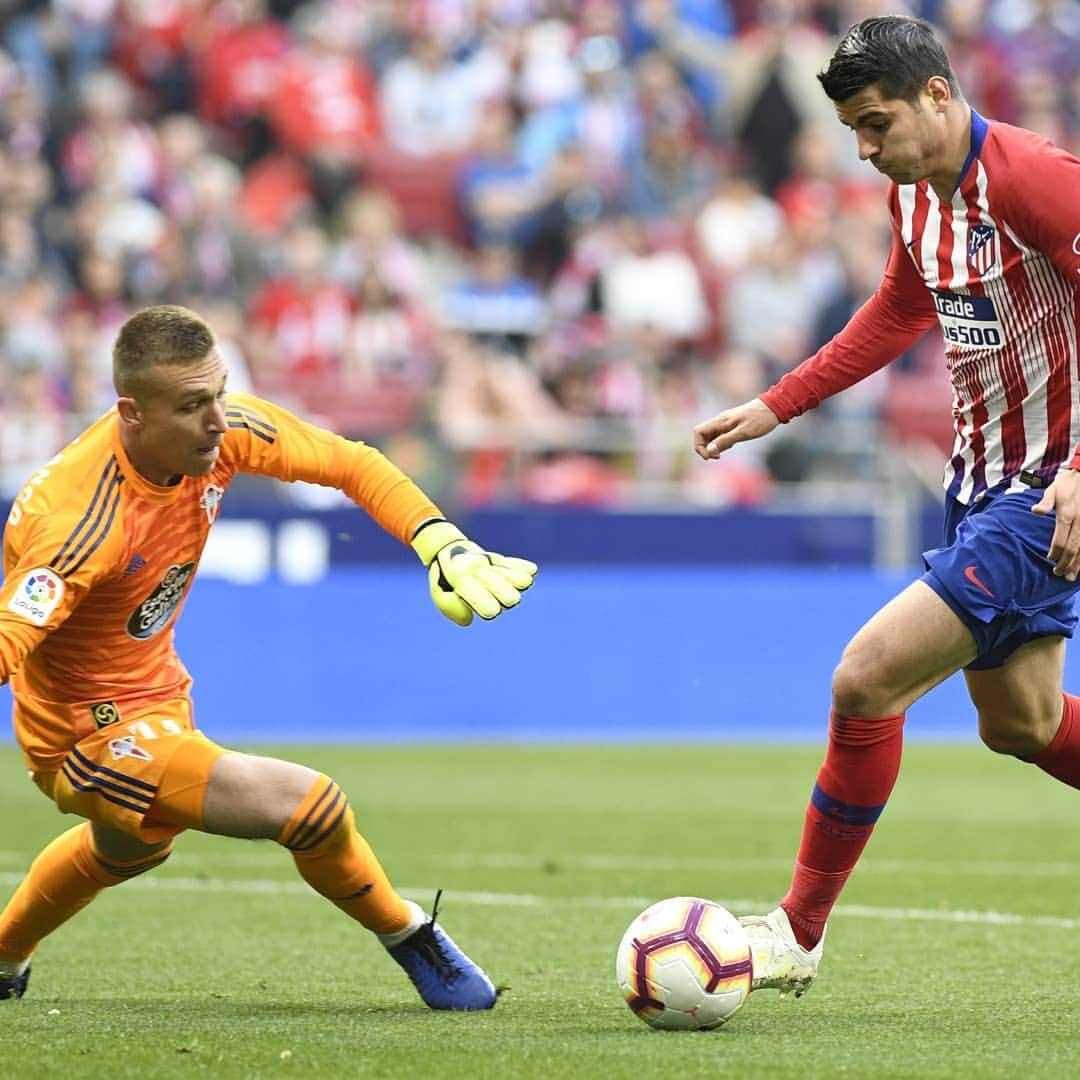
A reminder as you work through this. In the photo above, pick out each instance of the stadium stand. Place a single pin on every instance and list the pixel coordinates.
(335, 182)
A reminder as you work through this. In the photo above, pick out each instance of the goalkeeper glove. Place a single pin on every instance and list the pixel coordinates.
(464, 578)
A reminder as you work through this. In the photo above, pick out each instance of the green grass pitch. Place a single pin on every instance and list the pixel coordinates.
(955, 951)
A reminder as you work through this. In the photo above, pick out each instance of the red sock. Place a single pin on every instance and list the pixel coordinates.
(861, 765)
(1061, 759)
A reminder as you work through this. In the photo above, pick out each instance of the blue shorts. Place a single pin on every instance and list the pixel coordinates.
(994, 573)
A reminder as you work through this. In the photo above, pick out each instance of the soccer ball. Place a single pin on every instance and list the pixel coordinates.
(684, 964)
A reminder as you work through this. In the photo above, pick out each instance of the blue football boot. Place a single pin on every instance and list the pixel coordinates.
(15, 985)
(442, 974)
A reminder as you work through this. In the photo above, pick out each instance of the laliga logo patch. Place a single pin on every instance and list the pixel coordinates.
(211, 500)
(37, 596)
(982, 248)
(125, 746)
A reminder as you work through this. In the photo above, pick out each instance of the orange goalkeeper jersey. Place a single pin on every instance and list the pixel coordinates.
(98, 562)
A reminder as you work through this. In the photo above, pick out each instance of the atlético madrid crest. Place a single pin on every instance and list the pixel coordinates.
(211, 500)
(982, 248)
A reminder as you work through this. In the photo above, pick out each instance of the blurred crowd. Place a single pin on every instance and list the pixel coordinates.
(521, 245)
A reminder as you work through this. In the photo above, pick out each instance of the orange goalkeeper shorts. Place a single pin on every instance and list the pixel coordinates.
(146, 775)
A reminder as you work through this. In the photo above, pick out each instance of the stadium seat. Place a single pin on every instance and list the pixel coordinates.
(425, 188)
(917, 408)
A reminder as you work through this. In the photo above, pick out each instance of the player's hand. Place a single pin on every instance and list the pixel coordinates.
(1062, 499)
(750, 420)
(464, 578)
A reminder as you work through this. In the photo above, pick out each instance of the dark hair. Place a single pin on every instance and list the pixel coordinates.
(166, 334)
(897, 53)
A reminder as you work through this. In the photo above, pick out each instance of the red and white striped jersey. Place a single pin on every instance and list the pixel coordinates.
(998, 267)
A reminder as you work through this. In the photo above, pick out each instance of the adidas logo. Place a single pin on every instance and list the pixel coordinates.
(136, 564)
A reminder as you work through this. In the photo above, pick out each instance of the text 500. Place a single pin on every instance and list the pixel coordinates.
(961, 334)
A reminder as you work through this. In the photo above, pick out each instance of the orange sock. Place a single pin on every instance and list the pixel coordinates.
(62, 880)
(338, 863)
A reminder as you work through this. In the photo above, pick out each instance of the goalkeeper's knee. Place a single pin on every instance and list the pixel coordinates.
(109, 871)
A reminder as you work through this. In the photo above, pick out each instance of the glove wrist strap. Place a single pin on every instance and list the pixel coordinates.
(432, 537)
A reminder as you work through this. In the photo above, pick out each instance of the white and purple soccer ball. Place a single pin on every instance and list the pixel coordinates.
(684, 964)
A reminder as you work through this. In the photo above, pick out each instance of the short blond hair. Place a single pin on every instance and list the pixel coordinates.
(166, 334)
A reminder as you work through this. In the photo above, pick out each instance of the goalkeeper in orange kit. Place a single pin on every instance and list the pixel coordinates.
(100, 550)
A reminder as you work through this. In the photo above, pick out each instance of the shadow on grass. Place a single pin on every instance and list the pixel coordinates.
(218, 1008)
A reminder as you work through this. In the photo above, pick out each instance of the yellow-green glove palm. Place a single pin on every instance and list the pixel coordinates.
(464, 578)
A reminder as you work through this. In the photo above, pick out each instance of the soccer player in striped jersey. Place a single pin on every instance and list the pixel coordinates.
(986, 241)
(100, 550)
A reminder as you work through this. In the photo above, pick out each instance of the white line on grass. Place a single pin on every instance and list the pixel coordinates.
(616, 863)
(165, 883)
(266, 854)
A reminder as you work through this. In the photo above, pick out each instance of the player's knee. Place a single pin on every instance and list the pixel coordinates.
(322, 821)
(856, 685)
(112, 871)
(1015, 734)
(255, 797)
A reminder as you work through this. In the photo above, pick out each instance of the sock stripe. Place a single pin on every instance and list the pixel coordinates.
(312, 823)
(316, 840)
(291, 832)
(131, 869)
(842, 812)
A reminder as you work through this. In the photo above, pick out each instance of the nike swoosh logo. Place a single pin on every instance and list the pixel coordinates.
(973, 577)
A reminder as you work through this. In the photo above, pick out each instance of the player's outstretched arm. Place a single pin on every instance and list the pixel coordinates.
(464, 578)
(750, 420)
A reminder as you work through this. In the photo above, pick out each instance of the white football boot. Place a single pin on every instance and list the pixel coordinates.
(780, 962)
